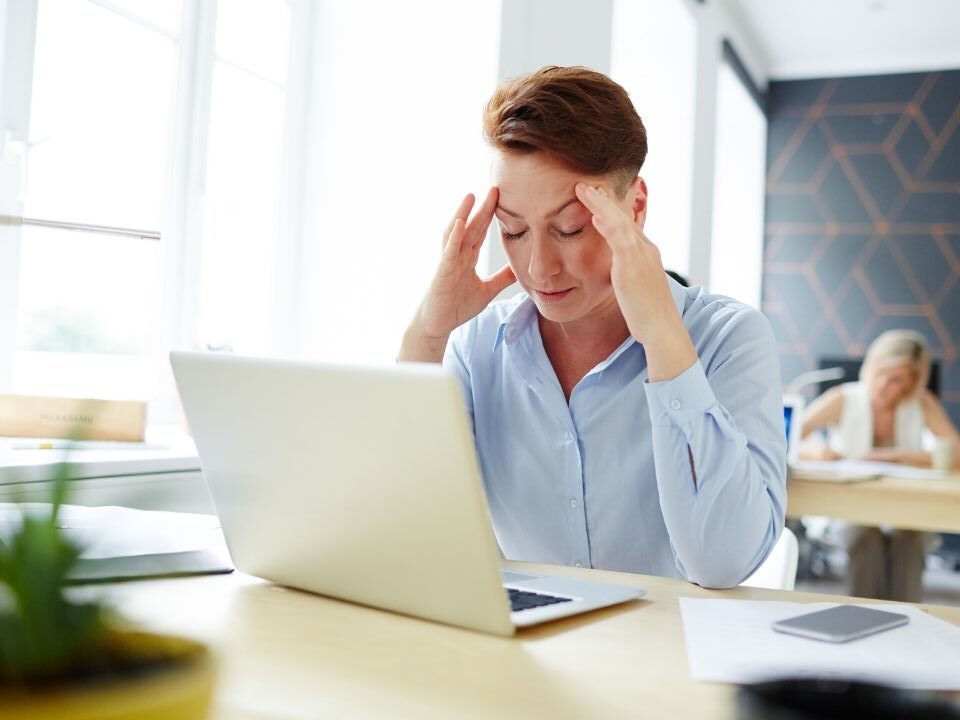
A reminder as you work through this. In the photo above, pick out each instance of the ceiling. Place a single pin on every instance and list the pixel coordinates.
(829, 38)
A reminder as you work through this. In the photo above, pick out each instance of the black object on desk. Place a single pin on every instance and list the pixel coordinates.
(813, 699)
(119, 543)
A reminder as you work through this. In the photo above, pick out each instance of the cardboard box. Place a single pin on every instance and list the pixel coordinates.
(72, 418)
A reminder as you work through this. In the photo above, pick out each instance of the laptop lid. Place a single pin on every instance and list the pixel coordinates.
(358, 483)
(363, 484)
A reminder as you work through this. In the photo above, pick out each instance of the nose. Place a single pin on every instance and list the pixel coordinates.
(544, 259)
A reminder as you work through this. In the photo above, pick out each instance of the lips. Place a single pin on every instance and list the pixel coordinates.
(550, 296)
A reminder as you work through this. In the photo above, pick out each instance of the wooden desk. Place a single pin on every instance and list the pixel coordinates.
(288, 654)
(907, 503)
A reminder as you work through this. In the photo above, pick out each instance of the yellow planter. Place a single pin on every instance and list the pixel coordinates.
(179, 690)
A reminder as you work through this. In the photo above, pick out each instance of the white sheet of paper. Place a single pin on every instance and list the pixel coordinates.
(111, 531)
(732, 641)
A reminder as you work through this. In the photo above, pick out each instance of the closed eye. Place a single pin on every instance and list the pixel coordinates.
(512, 236)
(564, 235)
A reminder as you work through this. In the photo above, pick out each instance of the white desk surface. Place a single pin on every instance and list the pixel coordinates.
(289, 654)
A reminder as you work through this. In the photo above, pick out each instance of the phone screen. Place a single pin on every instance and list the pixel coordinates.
(841, 623)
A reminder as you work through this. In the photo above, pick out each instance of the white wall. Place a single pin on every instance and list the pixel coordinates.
(394, 148)
(736, 265)
(664, 94)
(535, 33)
(714, 21)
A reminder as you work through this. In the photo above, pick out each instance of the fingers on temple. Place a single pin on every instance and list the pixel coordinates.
(605, 212)
(482, 219)
(595, 199)
(463, 212)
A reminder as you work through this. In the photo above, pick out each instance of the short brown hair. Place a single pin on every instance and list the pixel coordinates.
(579, 116)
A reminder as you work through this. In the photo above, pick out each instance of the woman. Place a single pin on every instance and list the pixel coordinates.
(621, 421)
(882, 417)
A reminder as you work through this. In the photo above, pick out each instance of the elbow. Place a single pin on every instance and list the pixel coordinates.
(723, 570)
(715, 582)
(718, 576)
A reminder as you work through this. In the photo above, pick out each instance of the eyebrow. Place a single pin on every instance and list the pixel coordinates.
(556, 212)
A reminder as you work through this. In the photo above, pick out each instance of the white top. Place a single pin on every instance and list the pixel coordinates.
(853, 435)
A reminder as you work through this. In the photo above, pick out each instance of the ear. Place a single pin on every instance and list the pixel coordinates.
(638, 200)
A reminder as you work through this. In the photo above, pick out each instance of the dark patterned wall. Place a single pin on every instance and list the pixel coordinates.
(863, 217)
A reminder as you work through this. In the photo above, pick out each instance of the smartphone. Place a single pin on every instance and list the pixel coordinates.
(841, 623)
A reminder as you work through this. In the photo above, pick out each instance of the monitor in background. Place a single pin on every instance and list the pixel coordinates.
(792, 410)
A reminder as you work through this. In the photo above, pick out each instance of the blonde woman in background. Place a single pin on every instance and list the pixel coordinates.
(884, 416)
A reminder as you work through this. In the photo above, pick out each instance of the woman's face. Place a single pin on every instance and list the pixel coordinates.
(558, 256)
(892, 384)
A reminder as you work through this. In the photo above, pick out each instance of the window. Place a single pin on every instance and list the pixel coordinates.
(739, 175)
(300, 206)
(184, 134)
(244, 165)
(99, 139)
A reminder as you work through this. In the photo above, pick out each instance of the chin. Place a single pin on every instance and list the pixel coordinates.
(557, 314)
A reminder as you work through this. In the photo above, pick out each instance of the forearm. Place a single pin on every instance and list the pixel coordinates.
(722, 482)
(668, 348)
(416, 346)
(725, 523)
(917, 458)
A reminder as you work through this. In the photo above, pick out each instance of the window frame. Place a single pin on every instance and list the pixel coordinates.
(182, 230)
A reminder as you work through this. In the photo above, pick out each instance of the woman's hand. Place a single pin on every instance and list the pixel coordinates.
(456, 293)
(898, 455)
(819, 451)
(640, 285)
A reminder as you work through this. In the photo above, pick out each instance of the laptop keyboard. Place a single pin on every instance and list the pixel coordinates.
(526, 600)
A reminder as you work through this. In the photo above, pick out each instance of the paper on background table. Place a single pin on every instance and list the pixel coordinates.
(854, 470)
(112, 531)
(732, 641)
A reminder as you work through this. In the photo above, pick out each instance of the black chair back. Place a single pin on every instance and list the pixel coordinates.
(851, 368)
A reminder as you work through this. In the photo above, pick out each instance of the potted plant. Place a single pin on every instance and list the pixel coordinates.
(65, 659)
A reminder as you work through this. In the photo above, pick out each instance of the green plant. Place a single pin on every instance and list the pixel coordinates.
(43, 634)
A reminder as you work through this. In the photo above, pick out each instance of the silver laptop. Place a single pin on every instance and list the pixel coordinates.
(362, 484)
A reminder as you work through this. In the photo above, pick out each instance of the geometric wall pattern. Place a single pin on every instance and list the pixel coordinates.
(862, 220)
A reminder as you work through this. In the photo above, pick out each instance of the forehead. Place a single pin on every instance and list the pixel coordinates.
(535, 184)
(896, 368)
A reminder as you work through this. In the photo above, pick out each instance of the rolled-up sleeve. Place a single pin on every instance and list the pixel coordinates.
(720, 453)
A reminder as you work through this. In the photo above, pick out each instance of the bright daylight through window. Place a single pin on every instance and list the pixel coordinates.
(185, 136)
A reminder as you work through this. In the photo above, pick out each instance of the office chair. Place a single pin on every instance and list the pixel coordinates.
(779, 570)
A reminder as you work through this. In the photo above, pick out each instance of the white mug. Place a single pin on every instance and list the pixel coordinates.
(942, 455)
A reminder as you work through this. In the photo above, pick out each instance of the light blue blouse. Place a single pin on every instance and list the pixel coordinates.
(682, 478)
